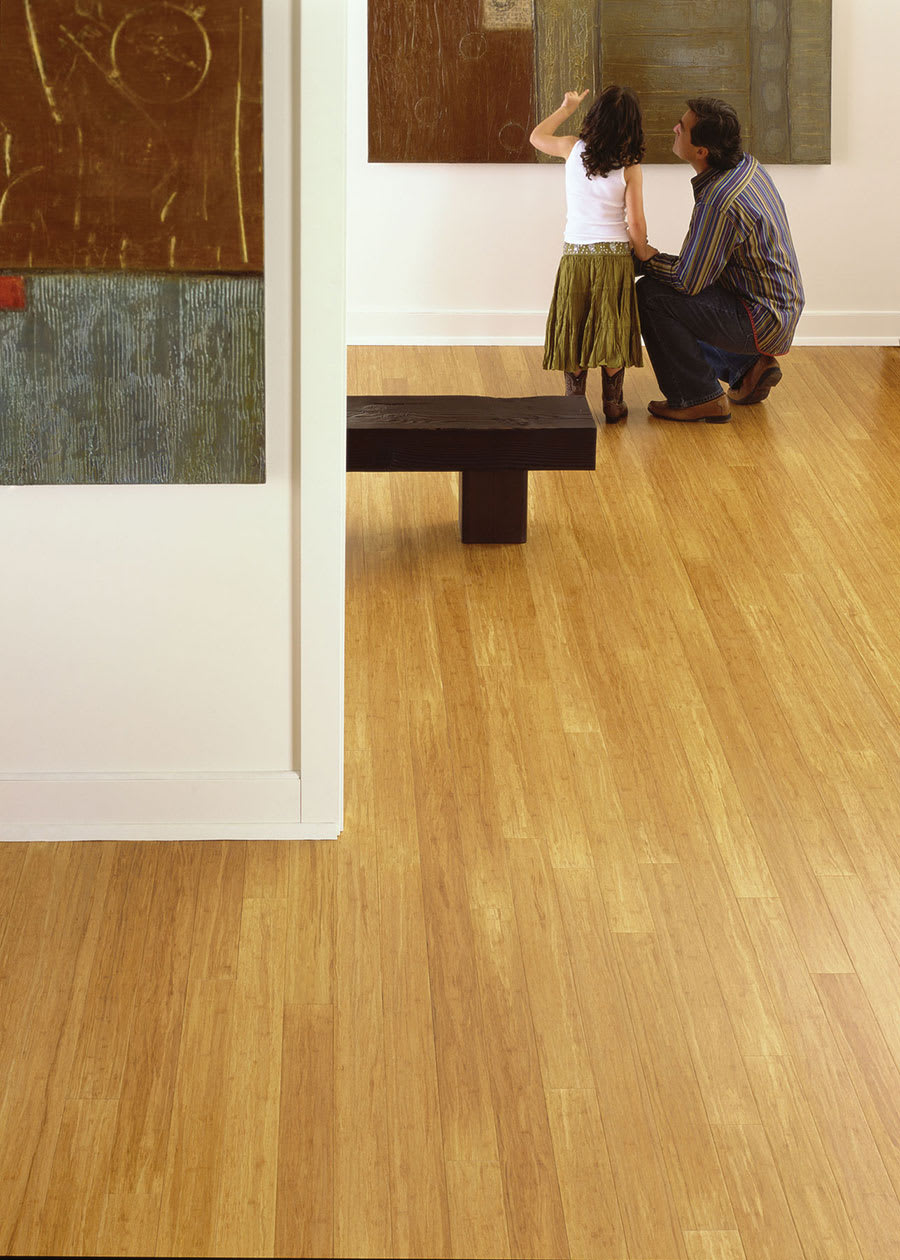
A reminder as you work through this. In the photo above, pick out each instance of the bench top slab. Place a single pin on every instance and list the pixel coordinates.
(467, 411)
(464, 431)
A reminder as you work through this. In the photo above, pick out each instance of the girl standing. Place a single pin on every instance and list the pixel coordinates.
(593, 318)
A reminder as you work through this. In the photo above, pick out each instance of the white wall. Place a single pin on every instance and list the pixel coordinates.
(465, 253)
(153, 639)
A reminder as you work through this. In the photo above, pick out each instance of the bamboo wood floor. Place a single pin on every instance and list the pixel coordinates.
(606, 963)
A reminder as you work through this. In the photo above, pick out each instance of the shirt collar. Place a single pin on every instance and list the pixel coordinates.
(710, 175)
(704, 179)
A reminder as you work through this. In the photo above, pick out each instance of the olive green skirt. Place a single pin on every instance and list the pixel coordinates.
(593, 319)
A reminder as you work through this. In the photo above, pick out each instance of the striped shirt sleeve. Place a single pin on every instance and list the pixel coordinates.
(711, 238)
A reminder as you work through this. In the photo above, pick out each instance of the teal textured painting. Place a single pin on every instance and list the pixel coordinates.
(125, 378)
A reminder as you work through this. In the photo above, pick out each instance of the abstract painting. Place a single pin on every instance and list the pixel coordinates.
(466, 82)
(131, 242)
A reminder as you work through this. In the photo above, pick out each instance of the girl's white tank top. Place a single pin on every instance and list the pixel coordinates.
(595, 206)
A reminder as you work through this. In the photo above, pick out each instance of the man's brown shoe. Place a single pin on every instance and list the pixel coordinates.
(758, 380)
(713, 412)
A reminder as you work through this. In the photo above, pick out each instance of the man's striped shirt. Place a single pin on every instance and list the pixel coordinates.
(739, 238)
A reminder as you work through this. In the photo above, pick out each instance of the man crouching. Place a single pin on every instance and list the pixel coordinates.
(730, 301)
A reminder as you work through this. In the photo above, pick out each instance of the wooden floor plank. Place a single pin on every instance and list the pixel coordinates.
(304, 1223)
(76, 1195)
(195, 1154)
(714, 1245)
(615, 861)
(12, 863)
(871, 1059)
(535, 1218)
(478, 1219)
(761, 1210)
(482, 841)
(796, 784)
(714, 1051)
(827, 1083)
(361, 1162)
(309, 957)
(876, 958)
(113, 988)
(217, 921)
(48, 1017)
(740, 970)
(552, 997)
(143, 1120)
(468, 1127)
(693, 1168)
(419, 1208)
(642, 1186)
(248, 1178)
(809, 1181)
(266, 870)
(591, 1205)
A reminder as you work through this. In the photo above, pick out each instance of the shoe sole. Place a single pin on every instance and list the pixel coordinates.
(697, 419)
(717, 419)
(767, 381)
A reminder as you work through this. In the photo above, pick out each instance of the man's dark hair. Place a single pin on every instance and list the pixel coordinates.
(717, 129)
(613, 132)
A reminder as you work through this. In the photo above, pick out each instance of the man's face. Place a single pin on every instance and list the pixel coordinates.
(682, 146)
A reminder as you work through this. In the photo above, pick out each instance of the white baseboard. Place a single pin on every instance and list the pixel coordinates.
(849, 328)
(157, 807)
(526, 328)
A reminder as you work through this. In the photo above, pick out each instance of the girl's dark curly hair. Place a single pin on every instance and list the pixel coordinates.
(613, 131)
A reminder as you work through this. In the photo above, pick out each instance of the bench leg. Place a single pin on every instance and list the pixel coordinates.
(493, 505)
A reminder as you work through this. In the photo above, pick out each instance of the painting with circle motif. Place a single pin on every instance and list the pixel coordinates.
(131, 242)
(466, 82)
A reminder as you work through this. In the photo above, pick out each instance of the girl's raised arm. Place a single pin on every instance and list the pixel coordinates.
(543, 138)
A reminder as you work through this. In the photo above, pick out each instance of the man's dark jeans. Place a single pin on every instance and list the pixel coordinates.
(694, 340)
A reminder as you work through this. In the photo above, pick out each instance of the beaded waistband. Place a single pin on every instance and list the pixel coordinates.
(597, 247)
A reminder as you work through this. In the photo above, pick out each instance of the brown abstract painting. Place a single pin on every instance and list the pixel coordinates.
(130, 135)
(466, 82)
(132, 326)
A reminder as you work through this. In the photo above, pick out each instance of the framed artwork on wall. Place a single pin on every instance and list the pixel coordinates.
(131, 242)
(467, 82)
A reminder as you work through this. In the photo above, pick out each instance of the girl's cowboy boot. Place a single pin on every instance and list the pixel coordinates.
(614, 408)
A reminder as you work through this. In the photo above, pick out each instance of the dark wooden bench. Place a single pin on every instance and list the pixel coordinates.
(491, 442)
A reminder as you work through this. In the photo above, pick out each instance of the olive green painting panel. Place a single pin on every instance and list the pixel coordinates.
(768, 127)
(667, 52)
(809, 80)
(771, 59)
(566, 57)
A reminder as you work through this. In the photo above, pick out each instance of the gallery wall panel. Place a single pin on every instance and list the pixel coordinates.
(467, 82)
